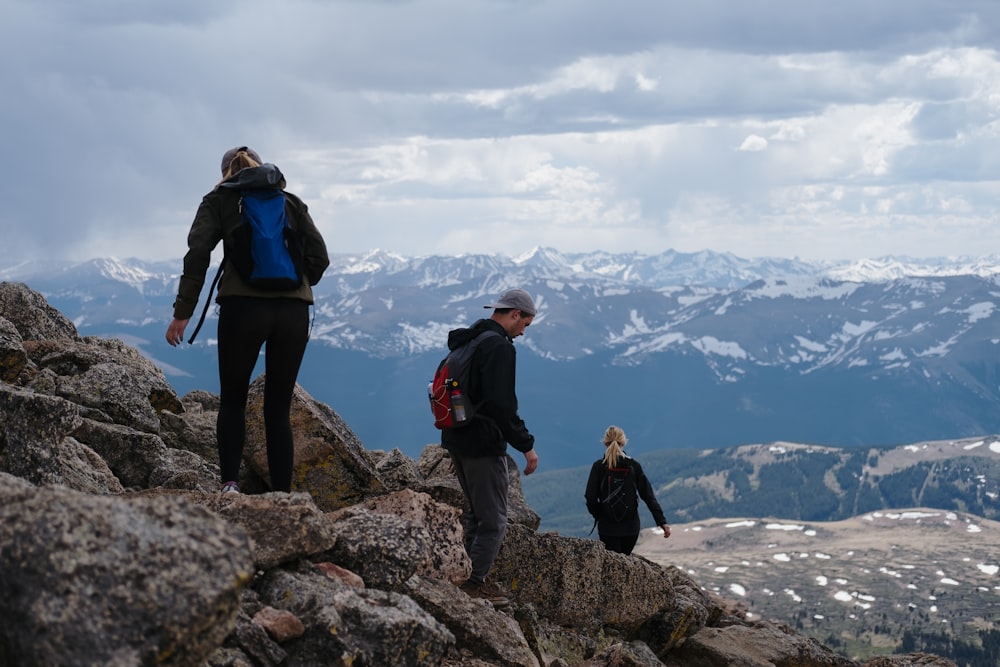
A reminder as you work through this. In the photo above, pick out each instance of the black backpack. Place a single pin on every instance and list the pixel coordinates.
(448, 391)
(619, 495)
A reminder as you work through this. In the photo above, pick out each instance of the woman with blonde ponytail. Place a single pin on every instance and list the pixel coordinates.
(614, 487)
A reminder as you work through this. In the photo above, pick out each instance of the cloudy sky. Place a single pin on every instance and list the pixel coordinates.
(816, 129)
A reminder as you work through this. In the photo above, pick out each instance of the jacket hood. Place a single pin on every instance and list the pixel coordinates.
(459, 337)
(266, 175)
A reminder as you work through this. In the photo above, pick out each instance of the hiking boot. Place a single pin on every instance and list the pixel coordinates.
(486, 591)
(230, 487)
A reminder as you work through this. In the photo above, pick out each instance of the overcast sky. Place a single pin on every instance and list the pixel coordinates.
(786, 128)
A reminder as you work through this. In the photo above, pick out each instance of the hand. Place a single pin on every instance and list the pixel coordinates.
(175, 332)
(532, 462)
(666, 530)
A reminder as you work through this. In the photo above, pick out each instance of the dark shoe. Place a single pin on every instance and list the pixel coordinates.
(486, 591)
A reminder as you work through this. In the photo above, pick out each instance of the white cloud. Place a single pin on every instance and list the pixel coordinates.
(753, 143)
(427, 127)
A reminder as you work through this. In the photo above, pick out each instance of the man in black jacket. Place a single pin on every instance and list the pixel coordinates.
(479, 450)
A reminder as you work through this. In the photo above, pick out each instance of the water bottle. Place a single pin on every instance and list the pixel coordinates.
(458, 406)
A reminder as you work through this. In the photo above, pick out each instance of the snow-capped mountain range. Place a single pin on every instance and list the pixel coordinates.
(681, 349)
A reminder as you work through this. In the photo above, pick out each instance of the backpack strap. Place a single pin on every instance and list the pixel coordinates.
(476, 414)
(208, 302)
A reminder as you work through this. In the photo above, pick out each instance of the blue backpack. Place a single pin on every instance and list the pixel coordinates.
(264, 250)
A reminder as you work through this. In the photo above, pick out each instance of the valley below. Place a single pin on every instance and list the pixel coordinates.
(864, 586)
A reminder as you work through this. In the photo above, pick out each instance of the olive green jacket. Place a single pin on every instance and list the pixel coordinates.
(218, 216)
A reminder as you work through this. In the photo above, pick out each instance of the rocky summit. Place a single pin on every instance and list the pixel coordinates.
(117, 549)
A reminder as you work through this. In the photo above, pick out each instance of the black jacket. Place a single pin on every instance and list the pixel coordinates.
(491, 389)
(630, 525)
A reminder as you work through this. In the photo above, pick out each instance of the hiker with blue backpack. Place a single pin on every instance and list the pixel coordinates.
(274, 254)
(615, 485)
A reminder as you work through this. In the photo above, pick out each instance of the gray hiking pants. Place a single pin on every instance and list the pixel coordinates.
(485, 483)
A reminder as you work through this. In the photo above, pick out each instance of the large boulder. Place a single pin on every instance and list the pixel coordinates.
(32, 315)
(111, 380)
(344, 625)
(383, 549)
(282, 527)
(100, 580)
(37, 445)
(760, 644)
(446, 559)
(331, 464)
(577, 583)
(479, 630)
(193, 428)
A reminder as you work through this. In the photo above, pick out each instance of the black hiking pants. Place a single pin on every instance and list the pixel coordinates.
(281, 327)
(622, 544)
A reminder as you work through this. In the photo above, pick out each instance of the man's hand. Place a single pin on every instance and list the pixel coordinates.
(666, 530)
(532, 462)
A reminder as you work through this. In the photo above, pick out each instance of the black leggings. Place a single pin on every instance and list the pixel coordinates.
(622, 544)
(245, 325)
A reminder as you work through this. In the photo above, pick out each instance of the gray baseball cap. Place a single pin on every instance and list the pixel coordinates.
(515, 298)
(231, 153)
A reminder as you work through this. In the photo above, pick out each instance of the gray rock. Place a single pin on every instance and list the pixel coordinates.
(350, 626)
(13, 357)
(629, 654)
(577, 583)
(331, 464)
(39, 448)
(193, 429)
(113, 379)
(397, 470)
(383, 549)
(753, 645)
(283, 527)
(180, 469)
(478, 628)
(32, 315)
(254, 642)
(98, 580)
(131, 454)
(446, 559)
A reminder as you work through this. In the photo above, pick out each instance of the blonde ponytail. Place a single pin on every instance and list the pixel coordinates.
(614, 442)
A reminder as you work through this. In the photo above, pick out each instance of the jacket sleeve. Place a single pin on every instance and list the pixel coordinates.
(592, 494)
(314, 253)
(499, 360)
(205, 234)
(647, 495)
